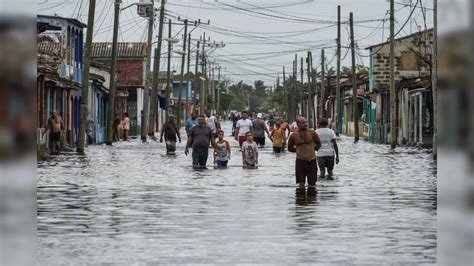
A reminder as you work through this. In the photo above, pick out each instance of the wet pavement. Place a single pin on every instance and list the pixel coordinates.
(131, 203)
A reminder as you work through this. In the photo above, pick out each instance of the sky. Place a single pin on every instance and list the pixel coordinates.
(260, 36)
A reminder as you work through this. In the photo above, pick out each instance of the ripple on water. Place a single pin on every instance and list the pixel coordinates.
(131, 202)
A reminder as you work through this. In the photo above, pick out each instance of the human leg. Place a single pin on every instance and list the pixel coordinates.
(330, 166)
(202, 155)
(195, 157)
(299, 173)
(312, 172)
(322, 166)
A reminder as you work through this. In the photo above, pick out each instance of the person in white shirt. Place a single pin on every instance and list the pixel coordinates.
(211, 122)
(244, 125)
(328, 149)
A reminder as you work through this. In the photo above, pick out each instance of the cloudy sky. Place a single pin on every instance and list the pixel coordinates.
(260, 36)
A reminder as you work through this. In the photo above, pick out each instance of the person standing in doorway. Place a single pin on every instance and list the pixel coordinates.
(199, 138)
(126, 125)
(222, 154)
(259, 130)
(190, 123)
(278, 139)
(305, 142)
(244, 125)
(212, 123)
(249, 152)
(55, 125)
(328, 149)
(171, 131)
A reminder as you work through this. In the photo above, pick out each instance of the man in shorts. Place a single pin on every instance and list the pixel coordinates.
(244, 125)
(199, 137)
(55, 126)
(259, 129)
(328, 148)
(170, 131)
(305, 142)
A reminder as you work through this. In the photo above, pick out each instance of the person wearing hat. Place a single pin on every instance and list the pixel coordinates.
(328, 148)
(259, 129)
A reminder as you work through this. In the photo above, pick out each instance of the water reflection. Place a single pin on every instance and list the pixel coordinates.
(130, 202)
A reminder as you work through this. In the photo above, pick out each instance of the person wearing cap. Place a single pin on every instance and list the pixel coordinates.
(328, 149)
(259, 129)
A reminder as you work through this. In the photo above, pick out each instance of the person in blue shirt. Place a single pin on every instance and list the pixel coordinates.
(191, 122)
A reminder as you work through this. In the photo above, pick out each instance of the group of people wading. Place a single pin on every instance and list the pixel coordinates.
(313, 148)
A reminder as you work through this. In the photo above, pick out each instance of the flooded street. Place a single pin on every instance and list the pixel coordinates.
(131, 203)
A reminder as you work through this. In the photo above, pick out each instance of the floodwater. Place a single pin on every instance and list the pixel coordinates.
(131, 203)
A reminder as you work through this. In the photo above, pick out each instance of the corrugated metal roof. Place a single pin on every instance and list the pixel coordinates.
(125, 49)
(49, 48)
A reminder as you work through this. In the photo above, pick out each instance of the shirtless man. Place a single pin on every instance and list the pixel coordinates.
(55, 125)
(305, 142)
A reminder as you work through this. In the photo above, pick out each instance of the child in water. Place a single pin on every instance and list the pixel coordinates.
(278, 139)
(249, 152)
(222, 153)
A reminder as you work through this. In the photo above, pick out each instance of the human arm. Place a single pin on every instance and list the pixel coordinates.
(228, 150)
(61, 123)
(256, 154)
(190, 141)
(336, 149)
(178, 134)
(266, 129)
(291, 144)
(162, 132)
(317, 141)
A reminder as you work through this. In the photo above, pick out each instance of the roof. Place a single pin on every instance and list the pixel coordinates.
(49, 48)
(44, 26)
(401, 38)
(70, 20)
(125, 49)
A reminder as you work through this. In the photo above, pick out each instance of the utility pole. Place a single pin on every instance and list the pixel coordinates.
(156, 72)
(146, 90)
(302, 88)
(393, 115)
(434, 79)
(113, 76)
(85, 78)
(183, 58)
(323, 87)
(309, 61)
(204, 76)
(218, 91)
(295, 77)
(195, 75)
(338, 73)
(285, 91)
(355, 107)
(187, 79)
(168, 79)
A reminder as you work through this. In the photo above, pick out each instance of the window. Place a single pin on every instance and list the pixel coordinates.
(409, 61)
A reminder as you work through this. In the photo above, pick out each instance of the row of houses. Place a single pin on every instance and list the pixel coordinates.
(414, 97)
(59, 80)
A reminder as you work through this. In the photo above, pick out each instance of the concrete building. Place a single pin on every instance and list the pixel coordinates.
(414, 105)
(59, 73)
